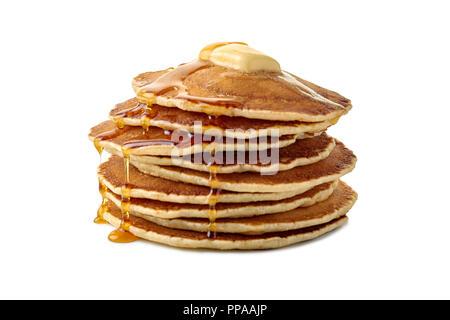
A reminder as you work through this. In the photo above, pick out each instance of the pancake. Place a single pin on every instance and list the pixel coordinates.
(134, 113)
(200, 86)
(337, 205)
(157, 141)
(112, 174)
(169, 210)
(300, 153)
(340, 162)
(223, 241)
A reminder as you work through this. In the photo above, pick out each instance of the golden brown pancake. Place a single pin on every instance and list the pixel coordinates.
(157, 141)
(223, 241)
(134, 113)
(199, 86)
(340, 162)
(300, 153)
(112, 174)
(169, 210)
(337, 205)
(225, 152)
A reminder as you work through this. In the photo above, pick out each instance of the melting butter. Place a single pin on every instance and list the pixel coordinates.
(239, 56)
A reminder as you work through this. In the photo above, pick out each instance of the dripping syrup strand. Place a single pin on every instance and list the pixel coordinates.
(99, 219)
(103, 206)
(146, 113)
(122, 234)
(102, 188)
(99, 148)
(213, 198)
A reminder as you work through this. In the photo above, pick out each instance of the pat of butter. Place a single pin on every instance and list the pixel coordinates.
(240, 57)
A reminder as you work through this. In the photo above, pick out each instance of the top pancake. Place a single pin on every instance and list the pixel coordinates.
(200, 86)
(134, 113)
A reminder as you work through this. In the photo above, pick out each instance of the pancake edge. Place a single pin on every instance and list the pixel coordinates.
(300, 187)
(237, 168)
(149, 99)
(169, 150)
(244, 211)
(242, 228)
(302, 131)
(255, 244)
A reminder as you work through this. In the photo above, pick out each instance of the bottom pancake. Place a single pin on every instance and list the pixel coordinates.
(223, 241)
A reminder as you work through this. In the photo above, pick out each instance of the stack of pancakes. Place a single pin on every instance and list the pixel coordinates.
(208, 156)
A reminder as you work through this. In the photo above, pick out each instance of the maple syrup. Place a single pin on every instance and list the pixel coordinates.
(172, 81)
(102, 188)
(145, 123)
(155, 137)
(98, 147)
(122, 234)
(126, 159)
(213, 198)
(131, 112)
(145, 112)
(103, 206)
(111, 134)
(118, 121)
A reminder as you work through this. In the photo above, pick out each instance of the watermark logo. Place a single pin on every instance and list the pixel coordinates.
(209, 146)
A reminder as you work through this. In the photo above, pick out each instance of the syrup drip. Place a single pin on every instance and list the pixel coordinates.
(213, 198)
(106, 136)
(173, 81)
(103, 206)
(145, 123)
(156, 137)
(145, 112)
(122, 234)
(98, 147)
(102, 188)
(131, 112)
(126, 159)
(118, 121)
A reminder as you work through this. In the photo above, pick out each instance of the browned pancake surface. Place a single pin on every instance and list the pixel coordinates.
(339, 160)
(255, 91)
(113, 171)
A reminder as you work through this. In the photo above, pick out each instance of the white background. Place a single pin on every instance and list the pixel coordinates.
(65, 64)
